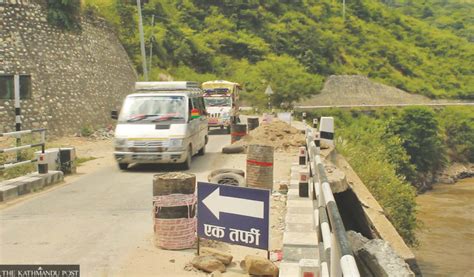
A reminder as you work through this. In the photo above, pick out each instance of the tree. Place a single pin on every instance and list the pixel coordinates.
(64, 14)
(419, 130)
(289, 80)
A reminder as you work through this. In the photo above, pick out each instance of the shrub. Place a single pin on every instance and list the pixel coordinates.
(64, 13)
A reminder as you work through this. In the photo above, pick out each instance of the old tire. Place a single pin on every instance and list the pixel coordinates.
(230, 179)
(225, 170)
(233, 149)
(123, 166)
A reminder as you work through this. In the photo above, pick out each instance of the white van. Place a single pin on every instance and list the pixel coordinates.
(163, 122)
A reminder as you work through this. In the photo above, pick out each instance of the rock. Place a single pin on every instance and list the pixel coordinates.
(216, 273)
(357, 241)
(208, 264)
(381, 259)
(256, 265)
(233, 149)
(337, 179)
(224, 257)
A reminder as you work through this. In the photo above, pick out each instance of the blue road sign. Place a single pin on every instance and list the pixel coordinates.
(233, 214)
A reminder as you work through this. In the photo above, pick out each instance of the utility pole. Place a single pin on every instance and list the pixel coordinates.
(151, 42)
(142, 40)
(344, 10)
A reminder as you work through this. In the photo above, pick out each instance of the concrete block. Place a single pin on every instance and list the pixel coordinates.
(301, 202)
(35, 183)
(7, 182)
(289, 269)
(294, 184)
(296, 253)
(299, 227)
(304, 218)
(293, 191)
(300, 239)
(299, 210)
(309, 267)
(8, 192)
(23, 187)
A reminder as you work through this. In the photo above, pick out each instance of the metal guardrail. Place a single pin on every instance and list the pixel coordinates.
(336, 258)
(18, 134)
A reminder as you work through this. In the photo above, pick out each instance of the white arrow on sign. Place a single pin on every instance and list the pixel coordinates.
(224, 204)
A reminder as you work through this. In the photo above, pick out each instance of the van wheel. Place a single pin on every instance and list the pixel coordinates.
(123, 166)
(202, 151)
(187, 163)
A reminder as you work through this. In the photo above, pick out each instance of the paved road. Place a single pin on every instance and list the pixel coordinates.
(94, 221)
(370, 106)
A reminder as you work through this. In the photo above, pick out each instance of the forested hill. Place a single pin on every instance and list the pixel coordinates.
(421, 47)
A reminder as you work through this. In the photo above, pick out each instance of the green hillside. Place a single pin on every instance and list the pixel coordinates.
(295, 44)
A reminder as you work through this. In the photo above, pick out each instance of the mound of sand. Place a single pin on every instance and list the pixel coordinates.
(278, 134)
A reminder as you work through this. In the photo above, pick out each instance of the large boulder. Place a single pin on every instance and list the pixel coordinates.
(256, 265)
(208, 264)
(224, 257)
(336, 178)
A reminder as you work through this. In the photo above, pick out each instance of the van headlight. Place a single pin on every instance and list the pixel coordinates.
(176, 143)
(120, 142)
(225, 115)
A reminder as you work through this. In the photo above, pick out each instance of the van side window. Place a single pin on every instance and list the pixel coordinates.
(190, 108)
(203, 105)
(198, 105)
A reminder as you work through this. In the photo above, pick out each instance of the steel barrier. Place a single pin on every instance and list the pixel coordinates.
(336, 258)
(18, 134)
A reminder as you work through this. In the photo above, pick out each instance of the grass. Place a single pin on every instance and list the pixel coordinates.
(82, 160)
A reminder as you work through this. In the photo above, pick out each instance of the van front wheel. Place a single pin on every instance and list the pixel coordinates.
(202, 151)
(123, 166)
(187, 163)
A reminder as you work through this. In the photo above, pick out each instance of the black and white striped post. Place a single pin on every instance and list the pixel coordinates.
(16, 83)
(303, 183)
(315, 123)
(302, 155)
(326, 130)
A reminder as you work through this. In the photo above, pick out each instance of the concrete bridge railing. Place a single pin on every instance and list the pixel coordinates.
(336, 257)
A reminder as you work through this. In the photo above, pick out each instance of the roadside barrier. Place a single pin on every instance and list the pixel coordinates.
(252, 123)
(237, 132)
(174, 210)
(177, 232)
(326, 130)
(42, 168)
(260, 166)
(336, 258)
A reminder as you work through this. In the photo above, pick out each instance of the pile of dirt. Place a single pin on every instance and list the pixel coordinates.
(360, 90)
(278, 134)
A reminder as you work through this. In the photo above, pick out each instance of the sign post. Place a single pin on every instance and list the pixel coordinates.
(232, 214)
(269, 92)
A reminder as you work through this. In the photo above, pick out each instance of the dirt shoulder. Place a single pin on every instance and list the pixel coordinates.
(147, 258)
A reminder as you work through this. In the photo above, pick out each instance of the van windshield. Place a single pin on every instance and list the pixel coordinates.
(220, 101)
(147, 109)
